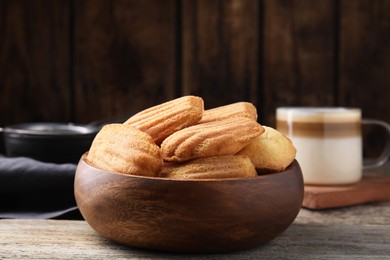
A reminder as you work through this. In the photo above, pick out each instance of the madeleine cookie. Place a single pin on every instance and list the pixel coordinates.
(271, 151)
(218, 167)
(162, 120)
(224, 137)
(239, 109)
(124, 149)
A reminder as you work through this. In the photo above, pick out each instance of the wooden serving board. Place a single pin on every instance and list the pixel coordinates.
(369, 189)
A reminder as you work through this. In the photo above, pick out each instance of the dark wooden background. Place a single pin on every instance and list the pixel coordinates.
(85, 60)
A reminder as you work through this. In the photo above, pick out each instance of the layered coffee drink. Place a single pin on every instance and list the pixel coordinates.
(328, 142)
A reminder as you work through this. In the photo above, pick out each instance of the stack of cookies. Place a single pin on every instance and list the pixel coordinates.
(179, 139)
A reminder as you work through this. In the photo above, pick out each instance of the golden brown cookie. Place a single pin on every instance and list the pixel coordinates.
(239, 109)
(271, 151)
(162, 120)
(124, 149)
(224, 137)
(218, 167)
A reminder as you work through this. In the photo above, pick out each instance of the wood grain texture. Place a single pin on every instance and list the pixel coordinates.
(365, 56)
(220, 50)
(369, 189)
(361, 232)
(199, 216)
(298, 52)
(124, 56)
(34, 61)
(86, 60)
(365, 63)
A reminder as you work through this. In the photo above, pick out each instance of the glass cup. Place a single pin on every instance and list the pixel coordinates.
(329, 142)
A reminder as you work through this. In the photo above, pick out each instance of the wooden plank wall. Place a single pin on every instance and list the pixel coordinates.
(80, 61)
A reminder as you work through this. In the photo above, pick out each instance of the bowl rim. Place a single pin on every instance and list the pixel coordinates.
(291, 168)
(53, 129)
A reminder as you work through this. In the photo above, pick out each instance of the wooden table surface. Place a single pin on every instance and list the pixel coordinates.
(357, 232)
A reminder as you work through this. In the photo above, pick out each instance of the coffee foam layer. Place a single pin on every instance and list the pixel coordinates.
(318, 114)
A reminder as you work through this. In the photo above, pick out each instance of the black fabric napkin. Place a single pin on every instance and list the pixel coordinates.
(34, 189)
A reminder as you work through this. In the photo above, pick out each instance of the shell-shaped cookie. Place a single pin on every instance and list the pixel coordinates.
(162, 120)
(239, 109)
(218, 167)
(125, 149)
(224, 137)
(270, 152)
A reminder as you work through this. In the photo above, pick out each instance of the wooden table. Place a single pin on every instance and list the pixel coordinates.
(358, 232)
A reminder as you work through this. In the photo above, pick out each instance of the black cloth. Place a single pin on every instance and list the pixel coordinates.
(34, 189)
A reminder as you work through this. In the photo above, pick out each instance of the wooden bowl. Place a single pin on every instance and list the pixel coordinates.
(197, 216)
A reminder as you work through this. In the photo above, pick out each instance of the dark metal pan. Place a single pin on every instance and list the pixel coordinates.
(49, 142)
